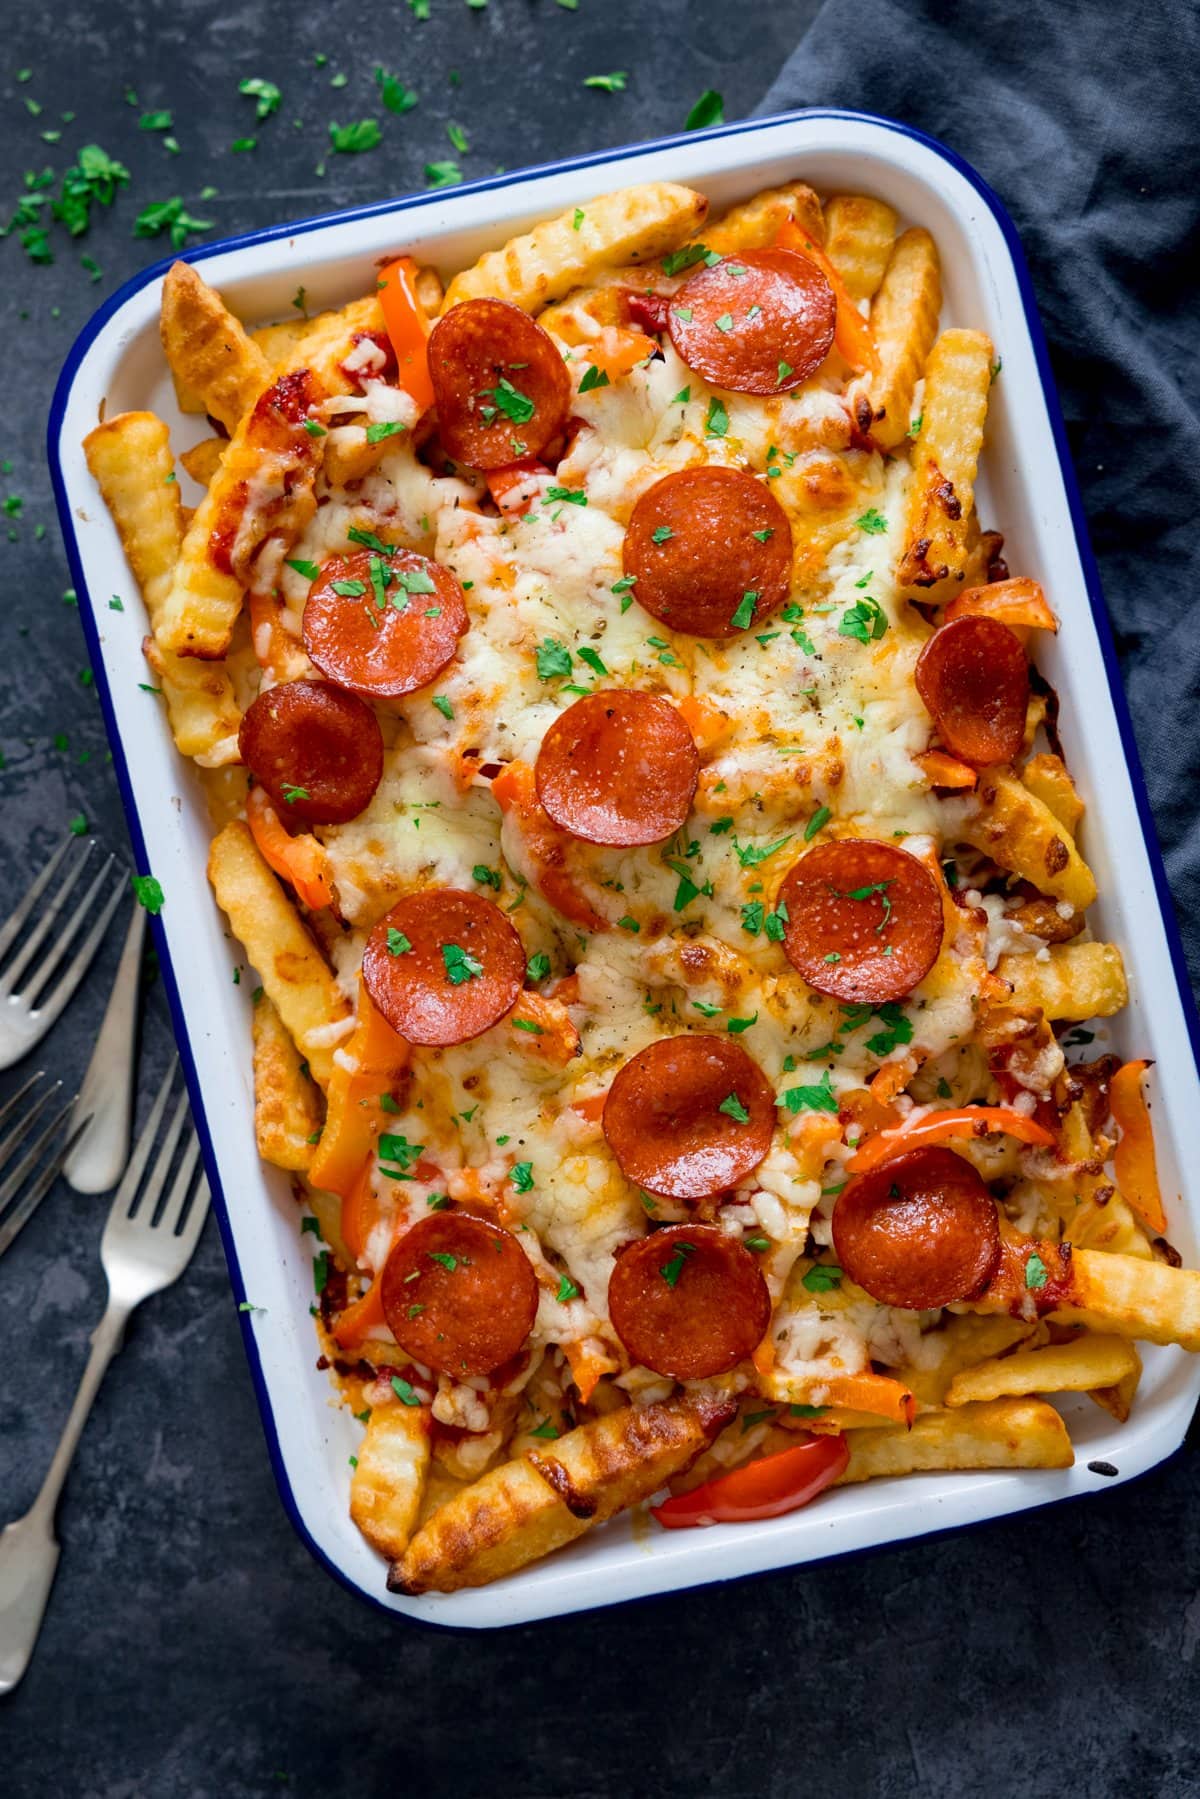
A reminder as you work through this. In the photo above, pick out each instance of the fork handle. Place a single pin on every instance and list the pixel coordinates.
(29, 1550)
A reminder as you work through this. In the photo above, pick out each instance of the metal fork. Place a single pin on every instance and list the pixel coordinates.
(147, 1244)
(23, 1188)
(27, 1008)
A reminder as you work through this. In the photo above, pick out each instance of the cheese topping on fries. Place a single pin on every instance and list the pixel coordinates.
(630, 790)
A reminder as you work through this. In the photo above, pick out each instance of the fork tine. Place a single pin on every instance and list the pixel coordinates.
(32, 1157)
(193, 1222)
(34, 941)
(172, 1211)
(10, 1105)
(151, 1191)
(49, 1009)
(24, 1125)
(20, 1215)
(8, 934)
(65, 939)
(127, 1191)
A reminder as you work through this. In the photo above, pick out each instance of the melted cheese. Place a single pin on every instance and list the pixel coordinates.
(821, 712)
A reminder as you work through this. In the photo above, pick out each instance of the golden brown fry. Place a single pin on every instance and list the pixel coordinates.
(1020, 833)
(263, 488)
(280, 341)
(204, 459)
(755, 223)
(1090, 1361)
(1047, 778)
(1076, 981)
(208, 349)
(130, 459)
(1000, 1433)
(859, 233)
(522, 1510)
(387, 1484)
(1117, 1400)
(904, 321)
(634, 225)
(964, 1340)
(941, 496)
(294, 975)
(1136, 1298)
(287, 1107)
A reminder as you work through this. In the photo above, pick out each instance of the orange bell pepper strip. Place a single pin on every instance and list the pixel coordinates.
(942, 770)
(272, 645)
(1133, 1159)
(544, 1027)
(617, 352)
(851, 332)
(354, 1113)
(1018, 604)
(408, 327)
(511, 487)
(706, 722)
(363, 1319)
(514, 787)
(300, 860)
(587, 1368)
(868, 1110)
(937, 1127)
(879, 1394)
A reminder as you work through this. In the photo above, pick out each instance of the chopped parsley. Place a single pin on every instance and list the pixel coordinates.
(385, 428)
(395, 96)
(1036, 1272)
(147, 893)
(510, 401)
(352, 140)
(716, 419)
(733, 1108)
(538, 967)
(609, 84)
(443, 705)
(521, 1176)
(708, 110)
(822, 1277)
(820, 1098)
(553, 659)
(567, 1291)
(592, 378)
(442, 174)
(397, 943)
(460, 965)
(865, 620)
(488, 877)
(744, 615)
(672, 1269)
(264, 93)
(872, 522)
(309, 570)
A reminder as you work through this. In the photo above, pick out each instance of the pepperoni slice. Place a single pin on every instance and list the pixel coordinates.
(864, 920)
(920, 1231)
(618, 767)
(316, 750)
(758, 323)
(973, 676)
(500, 383)
(710, 550)
(688, 1301)
(383, 626)
(459, 1294)
(689, 1117)
(443, 966)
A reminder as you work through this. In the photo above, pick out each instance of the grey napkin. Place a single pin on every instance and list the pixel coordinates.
(1085, 118)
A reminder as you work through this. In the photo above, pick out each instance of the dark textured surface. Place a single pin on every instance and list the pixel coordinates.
(191, 1646)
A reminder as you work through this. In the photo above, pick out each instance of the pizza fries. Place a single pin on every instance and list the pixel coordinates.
(631, 784)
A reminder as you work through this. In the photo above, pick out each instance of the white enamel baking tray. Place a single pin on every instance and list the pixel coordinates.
(1028, 491)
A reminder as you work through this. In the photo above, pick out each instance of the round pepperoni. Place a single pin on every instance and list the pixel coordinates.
(500, 383)
(920, 1231)
(710, 550)
(383, 626)
(317, 750)
(459, 1294)
(759, 323)
(688, 1301)
(689, 1117)
(973, 676)
(618, 767)
(443, 966)
(864, 920)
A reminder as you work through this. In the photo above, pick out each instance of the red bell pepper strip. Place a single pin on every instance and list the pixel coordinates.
(763, 1489)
